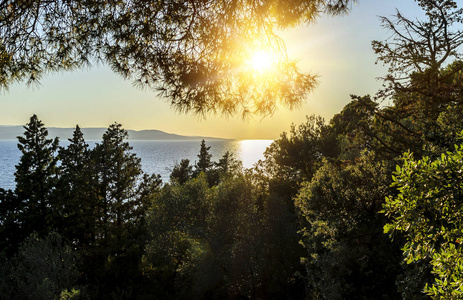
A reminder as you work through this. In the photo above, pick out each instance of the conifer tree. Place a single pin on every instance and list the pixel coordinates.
(204, 163)
(120, 199)
(76, 210)
(228, 164)
(36, 176)
(182, 172)
(117, 171)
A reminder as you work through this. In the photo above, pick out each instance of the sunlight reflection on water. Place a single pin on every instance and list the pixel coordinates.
(251, 151)
(158, 157)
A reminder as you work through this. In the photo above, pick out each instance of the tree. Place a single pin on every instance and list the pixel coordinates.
(120, 197)
(387, 131)
(228, 165)
(177, 225)
(427, 210)
(193, 52)
(182, 172)
(35, 177)
(11, 231)
(418, 53)
(204, 163)
(231, 240)
(346, 254)
(44, 268)
(423, 81)
(296, 156)
(76, 210)
(116, 170)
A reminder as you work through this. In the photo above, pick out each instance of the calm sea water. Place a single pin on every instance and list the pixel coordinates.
(157, 157)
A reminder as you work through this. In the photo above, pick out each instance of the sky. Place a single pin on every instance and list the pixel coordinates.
(337, 49)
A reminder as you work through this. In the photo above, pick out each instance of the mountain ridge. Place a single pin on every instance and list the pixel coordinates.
(10, 132)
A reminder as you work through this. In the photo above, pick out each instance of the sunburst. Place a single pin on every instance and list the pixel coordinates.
(262, 61)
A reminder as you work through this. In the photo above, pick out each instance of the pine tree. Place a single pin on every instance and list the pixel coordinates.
(121, 197)
(117, 171)
(182, 172)
(165, 45)
(36, 176)
(228, 164)
(204, 163)
(76, 208)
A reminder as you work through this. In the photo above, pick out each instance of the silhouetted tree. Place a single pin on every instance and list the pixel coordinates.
(424, 76)
(121, 195)
(181, 172)
(116, 170)
(76, 208)
(228, 165)
(417, 52)
(35, 177)
(204, 163)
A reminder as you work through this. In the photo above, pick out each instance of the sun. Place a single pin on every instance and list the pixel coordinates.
(262, 61)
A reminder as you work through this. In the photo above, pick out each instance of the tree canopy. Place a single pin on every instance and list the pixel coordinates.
(194, 52)
(427, 209)
(417, 51)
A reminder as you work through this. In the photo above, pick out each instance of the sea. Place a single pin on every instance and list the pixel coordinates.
(157, 157)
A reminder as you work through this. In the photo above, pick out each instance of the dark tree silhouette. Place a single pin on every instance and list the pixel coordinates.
(76, 207)
(122, 194)
(35, 176)
(204, 163)
(182, 172)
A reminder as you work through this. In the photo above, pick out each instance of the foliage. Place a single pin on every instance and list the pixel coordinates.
(75, 211)
(297, 156)
(347, 256)
(193, 52)
(120, 197)
(44, 268)
(181, 172)
(415, 276)
(427, 210)
(11, 231)
(229, 240)
(353, 129)
(449, 126)
(424, 76)
(35, 177)
(177, 224)
(216, 230)
(95, 198)
(116, 171)
(228, 165)
(204, 163)
(417, 51)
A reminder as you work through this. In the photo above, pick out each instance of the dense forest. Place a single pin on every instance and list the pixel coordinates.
(367, 205)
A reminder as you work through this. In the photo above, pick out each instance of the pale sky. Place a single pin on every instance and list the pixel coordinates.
(338, 49)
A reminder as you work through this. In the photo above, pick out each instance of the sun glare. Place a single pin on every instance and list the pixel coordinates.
(262, 61)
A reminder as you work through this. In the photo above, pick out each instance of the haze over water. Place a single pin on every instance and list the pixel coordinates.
(157, 157)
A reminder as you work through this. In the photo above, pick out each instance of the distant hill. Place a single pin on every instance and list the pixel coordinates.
(96, 134)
